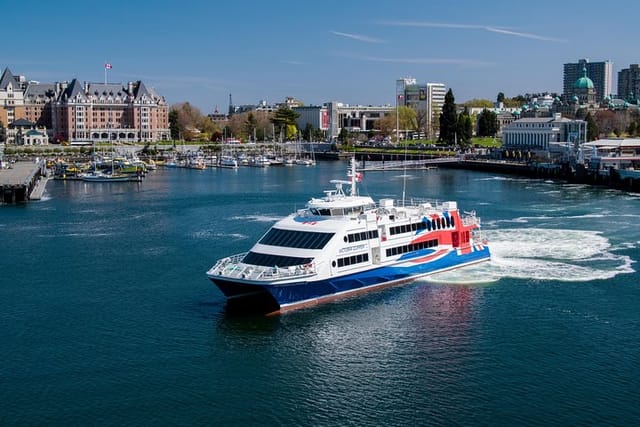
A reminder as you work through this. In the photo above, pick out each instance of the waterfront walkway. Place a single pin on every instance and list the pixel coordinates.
(381, 165)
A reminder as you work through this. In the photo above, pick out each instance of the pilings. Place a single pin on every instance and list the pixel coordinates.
(577, 175)
(19, 180)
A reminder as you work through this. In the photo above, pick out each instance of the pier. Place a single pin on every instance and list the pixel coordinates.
(381, 165)
(22, 181)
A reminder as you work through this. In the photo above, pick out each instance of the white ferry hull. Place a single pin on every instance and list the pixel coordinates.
(345, 244)
(280, 297)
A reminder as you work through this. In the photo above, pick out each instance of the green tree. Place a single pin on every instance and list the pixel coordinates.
(592, 128)
(284, 120)
(174, 126)
(464, 130)
(478, 103)
(488, 123)
(343, 136)
(408, 118)
(448, 119)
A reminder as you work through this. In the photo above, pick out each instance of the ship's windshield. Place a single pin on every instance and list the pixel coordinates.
(340, 211)
(269, 260)
(296, 239)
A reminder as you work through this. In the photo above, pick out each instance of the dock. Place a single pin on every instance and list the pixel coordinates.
(382, 165)
(22, 181)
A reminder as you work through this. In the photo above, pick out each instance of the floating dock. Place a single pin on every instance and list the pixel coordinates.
(22, 180)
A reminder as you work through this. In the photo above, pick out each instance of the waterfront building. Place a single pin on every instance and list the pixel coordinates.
(11, 97)
(600, 73)
(315, 115)
(426, 99)
(83, 114)
(617, 153)
(354, 118)
(38, 101)
(629, 83)
(25, 132)
(542, 135)
(98, 112)
(218, 117)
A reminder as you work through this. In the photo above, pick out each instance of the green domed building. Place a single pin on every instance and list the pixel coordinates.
(584, 89)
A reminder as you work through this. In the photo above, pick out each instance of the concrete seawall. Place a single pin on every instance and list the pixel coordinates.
(579, 175)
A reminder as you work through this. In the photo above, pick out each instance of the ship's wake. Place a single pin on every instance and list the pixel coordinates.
(543, 254)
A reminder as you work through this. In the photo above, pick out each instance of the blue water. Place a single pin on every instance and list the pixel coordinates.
(107, 317)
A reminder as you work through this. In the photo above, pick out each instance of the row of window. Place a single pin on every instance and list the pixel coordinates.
(353, 259)
(296, 239)
(268, 260)
(426, 224)
(399, 250)
(364, 235)
(340, 211)
(406, 228)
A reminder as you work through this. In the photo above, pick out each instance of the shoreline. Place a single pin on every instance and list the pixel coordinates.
(579, 175)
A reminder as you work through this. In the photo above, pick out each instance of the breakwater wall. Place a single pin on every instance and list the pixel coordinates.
(577, 175)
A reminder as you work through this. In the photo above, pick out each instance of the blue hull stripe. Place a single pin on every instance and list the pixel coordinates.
(292, 293)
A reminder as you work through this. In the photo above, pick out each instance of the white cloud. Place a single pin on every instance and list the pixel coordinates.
(358, 37)
(489, 28)
(525, 35)
(416, 60)
(291, 62)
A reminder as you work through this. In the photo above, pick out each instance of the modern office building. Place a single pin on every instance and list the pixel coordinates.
(629, 83)
(315, 115)
(426, 99)
(354, 118)
(600, 73)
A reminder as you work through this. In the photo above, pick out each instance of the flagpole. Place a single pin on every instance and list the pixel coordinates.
(105, 73)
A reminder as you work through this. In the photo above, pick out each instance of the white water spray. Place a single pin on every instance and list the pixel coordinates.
(543, 254)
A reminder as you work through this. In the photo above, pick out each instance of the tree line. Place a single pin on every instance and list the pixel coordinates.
(452, 127)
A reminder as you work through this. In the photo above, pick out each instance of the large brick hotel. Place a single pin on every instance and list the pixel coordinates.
(80, 113)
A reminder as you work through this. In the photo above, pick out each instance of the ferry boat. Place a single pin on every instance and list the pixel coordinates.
(343, 244)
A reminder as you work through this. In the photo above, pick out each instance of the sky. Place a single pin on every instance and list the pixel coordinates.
(349, 51)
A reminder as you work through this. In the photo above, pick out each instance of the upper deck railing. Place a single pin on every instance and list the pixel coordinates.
(233, 267)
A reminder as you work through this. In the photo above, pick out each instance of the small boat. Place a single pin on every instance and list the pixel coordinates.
(99, 176)
(260, 162)
(196, 163)
(304, 162)
(228, 162)
(344, 244)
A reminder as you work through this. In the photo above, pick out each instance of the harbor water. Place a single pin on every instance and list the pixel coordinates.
(107, 317)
